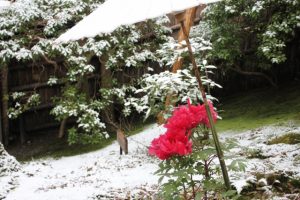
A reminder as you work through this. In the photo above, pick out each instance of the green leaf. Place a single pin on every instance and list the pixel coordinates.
(198, 196)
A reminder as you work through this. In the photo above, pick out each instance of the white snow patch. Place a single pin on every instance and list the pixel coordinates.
(9, 167)
(104, 174)
(280, 158)
(114, 13)
(4, 4)
(89, 175)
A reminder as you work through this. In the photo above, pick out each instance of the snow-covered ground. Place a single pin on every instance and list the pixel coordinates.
(264, 159)
(277, 157)
(104, 174)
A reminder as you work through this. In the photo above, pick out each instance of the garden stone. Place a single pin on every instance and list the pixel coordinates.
(262, 182)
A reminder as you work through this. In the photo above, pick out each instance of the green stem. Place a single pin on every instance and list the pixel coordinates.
(208, 111)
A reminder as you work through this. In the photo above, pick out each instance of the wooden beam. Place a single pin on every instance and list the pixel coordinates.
(35, 86)
(42, 127)
(176, 27)
(181, 16)
(43, 106)
(188, 18)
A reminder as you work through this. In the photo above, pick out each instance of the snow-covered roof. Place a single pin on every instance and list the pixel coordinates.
(114, 13)
(4, 4)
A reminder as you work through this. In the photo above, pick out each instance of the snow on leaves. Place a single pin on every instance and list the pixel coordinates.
(28, 30)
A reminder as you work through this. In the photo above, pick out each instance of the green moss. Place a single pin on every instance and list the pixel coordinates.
(288, 138)
(255, 153)
(295, 183)
(261, 107)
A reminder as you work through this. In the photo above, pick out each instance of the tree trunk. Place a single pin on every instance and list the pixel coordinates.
(5, 121)
(259, 74)
(62, 128)
(106, 83)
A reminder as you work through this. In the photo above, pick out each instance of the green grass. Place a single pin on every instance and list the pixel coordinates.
(261, 107)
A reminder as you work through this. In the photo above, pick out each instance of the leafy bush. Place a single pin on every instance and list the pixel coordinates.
(252, 36)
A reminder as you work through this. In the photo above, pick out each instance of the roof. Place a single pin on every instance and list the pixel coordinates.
(114, 13)
(4, 4)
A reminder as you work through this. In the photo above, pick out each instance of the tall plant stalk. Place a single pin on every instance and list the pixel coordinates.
(209, 114)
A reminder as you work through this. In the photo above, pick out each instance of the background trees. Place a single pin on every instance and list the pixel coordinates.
(256, 38)
(103, 80)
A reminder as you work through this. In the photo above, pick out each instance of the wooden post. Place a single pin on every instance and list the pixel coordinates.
(123, 142)
(209, 114)
(4, 87)
(188, 17)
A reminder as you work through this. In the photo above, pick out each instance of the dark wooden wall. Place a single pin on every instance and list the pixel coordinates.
(29, 77)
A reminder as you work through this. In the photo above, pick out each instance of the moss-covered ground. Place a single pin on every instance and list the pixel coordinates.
(260, 107)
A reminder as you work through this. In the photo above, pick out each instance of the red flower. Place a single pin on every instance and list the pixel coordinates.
(200, 115)
(176, 139)
(189, 117)
(166, 146)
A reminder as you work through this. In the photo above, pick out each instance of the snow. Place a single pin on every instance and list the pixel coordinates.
(279, 158)
(114, 13)
(4, 4)
(9, 166)
(104, 174)
(86, 176)
(240, 185)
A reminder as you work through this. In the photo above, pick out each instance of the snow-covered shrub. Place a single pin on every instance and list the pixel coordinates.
(8, 163)
(22, 102)
(28, 30)
(252, 35)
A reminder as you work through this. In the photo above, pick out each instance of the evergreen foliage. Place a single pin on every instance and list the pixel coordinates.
(252, 35)
(28, 30)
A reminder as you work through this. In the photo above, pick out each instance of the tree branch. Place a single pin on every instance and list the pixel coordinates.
(247, 73)
(51, 62)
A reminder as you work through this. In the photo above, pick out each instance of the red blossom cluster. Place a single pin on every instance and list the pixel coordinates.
(179, 126)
